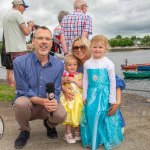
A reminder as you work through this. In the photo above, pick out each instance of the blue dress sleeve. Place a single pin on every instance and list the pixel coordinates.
(120, 83)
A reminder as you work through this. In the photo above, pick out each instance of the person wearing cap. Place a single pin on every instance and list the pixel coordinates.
(75, 24)
(15, 32)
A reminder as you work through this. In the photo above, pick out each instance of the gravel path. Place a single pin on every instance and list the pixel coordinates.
(136, 111)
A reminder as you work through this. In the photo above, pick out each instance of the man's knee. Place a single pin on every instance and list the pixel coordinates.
(61, 114)
(22, 103)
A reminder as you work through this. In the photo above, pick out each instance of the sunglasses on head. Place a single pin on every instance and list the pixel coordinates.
(81, 47)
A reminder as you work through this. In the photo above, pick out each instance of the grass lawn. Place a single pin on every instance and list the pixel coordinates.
(7, 93)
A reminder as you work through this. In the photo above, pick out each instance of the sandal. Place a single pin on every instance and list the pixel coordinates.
(77, 136)
(69, 138)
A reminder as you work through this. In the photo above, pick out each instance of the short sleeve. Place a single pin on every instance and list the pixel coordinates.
(19, 18)
(120, 83)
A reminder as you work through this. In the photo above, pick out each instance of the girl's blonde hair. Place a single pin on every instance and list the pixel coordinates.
(69, 57)
(100, 38)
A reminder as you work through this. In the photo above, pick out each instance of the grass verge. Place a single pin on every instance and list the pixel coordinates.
(7, 93)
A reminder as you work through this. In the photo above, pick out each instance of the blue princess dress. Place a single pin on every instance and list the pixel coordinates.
(119, 84)
(96, 127)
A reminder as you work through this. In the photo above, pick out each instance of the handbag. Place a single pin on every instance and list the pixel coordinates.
(6, 60)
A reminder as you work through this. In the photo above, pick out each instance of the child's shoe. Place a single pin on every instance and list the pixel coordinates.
(77, 136)
(69, 138)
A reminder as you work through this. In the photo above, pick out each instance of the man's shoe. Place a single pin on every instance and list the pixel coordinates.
(51, 132)
(21, 141)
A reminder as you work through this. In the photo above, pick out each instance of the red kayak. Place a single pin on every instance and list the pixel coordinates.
(133, 66)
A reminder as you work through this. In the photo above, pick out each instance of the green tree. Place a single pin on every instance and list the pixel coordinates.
(133, 38)
(113, 42)
(118, 37)
(145, 39)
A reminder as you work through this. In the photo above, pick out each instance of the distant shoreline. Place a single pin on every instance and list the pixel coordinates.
(129, 48)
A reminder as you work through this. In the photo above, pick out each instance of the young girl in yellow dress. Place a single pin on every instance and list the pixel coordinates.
(73, 107)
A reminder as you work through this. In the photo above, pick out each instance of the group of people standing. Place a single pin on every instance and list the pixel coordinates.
(87, 92)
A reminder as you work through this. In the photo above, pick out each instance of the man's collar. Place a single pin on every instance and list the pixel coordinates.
(36, 60)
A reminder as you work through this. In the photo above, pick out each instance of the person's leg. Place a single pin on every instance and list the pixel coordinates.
(68, 129)
(50, 122)
(59, 116)
(68, 137)
(10, 74)
(22, 109)
(77, 134)
(77, 129)
(10, 78)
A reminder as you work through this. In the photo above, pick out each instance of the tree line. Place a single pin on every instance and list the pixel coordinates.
(120, 41)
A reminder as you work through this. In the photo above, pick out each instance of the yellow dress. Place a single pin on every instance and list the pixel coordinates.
(73, 107)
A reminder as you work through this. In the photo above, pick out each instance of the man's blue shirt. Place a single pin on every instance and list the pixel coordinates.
(31, 77)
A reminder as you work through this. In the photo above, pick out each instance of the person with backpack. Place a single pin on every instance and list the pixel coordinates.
(56, 47)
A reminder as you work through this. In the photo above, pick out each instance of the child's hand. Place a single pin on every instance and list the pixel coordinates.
(84, 102)
(71, 80)
(65, 80)
(112, 110)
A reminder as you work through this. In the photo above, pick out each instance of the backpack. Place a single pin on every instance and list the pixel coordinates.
(56, 47)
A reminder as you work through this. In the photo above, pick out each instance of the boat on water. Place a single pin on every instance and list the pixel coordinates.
(143, 68)
(136, 74)
(133, 66)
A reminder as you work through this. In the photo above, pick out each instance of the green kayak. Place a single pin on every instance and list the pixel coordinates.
(136, 74)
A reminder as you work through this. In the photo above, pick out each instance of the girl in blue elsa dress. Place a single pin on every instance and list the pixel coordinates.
(99, 96)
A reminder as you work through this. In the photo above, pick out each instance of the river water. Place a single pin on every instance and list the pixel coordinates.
(141, 87)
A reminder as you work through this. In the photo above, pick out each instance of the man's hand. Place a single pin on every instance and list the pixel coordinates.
(112, 110)
(50, 105)
(31, 24)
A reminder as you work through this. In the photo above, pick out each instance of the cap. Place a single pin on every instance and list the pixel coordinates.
(20, 2)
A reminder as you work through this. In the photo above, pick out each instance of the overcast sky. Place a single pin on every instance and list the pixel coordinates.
(110, 17)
